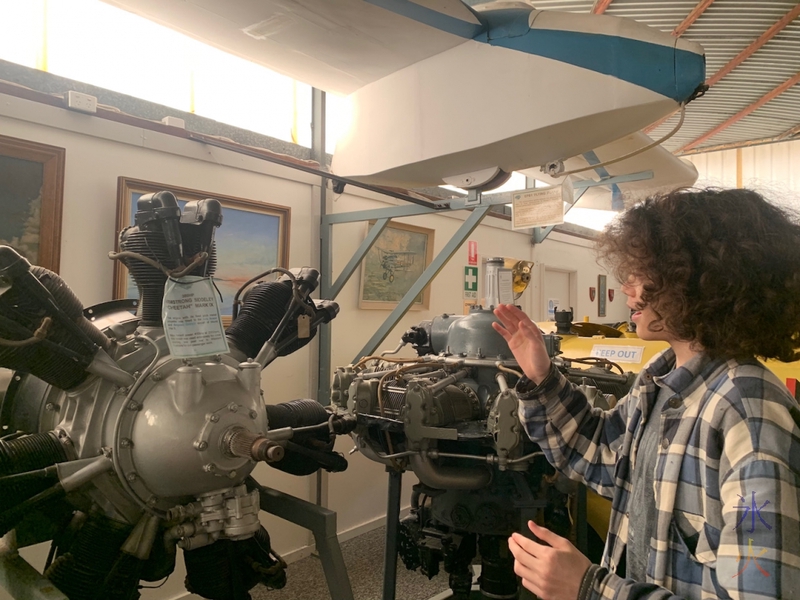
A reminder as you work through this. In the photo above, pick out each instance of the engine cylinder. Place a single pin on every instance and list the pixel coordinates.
(24, 454)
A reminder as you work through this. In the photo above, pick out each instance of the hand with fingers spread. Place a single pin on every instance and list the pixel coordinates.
(552, 572)
(524, 340)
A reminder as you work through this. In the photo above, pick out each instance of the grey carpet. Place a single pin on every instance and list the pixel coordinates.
(363, 556)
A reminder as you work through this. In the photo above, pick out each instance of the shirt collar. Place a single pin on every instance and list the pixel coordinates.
(696, 369)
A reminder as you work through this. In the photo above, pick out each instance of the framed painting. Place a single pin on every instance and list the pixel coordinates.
(31, 197)
(253, 237)
(393, 264)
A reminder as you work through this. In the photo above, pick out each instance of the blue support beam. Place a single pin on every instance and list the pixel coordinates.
(427, 276)
(612, 181)
(579, 188)
(541, 233)
(411, 210)
(359, 255)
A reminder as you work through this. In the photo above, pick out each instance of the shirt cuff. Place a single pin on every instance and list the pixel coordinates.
(587, 583)
(527, 389)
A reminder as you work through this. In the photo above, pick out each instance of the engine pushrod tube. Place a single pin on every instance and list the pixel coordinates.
(378, 374)
(491, 459)
(501, 381)
(440, 385)
(474, 362)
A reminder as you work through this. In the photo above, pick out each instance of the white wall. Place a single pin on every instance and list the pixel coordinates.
(772, 169)
(98, 151)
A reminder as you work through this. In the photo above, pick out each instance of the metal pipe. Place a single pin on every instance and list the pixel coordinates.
(501, 381)
(449, 478)
(440, 385)
(378, 374)
(94, 467)
(392, 529)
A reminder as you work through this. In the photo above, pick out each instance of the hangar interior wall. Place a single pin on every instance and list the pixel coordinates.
(98, 151)
(772, 169)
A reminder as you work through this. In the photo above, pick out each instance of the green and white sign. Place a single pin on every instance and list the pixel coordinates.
(470, 283)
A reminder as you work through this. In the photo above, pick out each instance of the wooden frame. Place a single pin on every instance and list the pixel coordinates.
(396, 260)
(240, 255)
(27, 170)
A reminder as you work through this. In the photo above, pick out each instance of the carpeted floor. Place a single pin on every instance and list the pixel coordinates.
(363, 556)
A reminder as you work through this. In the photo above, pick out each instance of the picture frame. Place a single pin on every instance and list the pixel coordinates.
(32, 196)
(253, 237)
(601, 295)
(393, 264)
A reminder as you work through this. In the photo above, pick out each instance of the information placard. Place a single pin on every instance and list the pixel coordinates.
(537, 208)
(192, 320)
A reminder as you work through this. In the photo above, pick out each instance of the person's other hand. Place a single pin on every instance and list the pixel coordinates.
(551, 572)
(524, 340)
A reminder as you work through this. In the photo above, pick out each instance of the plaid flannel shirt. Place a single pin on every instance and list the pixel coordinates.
(726, 483)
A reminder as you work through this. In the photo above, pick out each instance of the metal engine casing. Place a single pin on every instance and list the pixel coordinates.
(451, 416)
(160, 431)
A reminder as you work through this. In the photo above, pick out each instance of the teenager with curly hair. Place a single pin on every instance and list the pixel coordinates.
(702, 458)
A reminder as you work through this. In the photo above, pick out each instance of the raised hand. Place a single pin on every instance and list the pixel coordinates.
(524, 340)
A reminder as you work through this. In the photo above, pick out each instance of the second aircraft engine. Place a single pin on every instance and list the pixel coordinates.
(450, 415)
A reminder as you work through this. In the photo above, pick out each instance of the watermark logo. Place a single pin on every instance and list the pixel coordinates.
(754, 510)
(752, 557)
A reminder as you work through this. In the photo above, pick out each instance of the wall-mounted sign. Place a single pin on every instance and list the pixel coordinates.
(618, 354)
(471, 283)
(472, 253)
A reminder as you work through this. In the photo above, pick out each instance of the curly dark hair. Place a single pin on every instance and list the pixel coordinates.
(721, 268)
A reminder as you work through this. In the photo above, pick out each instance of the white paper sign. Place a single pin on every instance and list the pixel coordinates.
(192, 321)
(619, 354)
(552, 305)
(505, 283)
(538, 208)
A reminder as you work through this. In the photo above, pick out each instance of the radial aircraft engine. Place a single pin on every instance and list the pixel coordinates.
(120, 452)
(450, 415)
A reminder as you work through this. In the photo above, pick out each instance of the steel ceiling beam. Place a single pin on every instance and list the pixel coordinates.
(782, 137)
(770, 33)
(600, 6)
(795, 79)
(760, 41)
(692, 17)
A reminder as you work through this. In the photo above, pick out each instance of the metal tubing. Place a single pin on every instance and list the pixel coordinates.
(104, 366)
(91, 468)
(325, 248)
(587, 183)
(359, 255)
(427, 276)
(449, 478)
(322, 523)
(392, 527)
(440, 385)
(410, 211)
(23, 582)
(541, 233)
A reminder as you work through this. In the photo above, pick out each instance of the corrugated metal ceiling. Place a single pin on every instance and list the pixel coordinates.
(725, 28)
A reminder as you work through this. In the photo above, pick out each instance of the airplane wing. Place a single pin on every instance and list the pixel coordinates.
(334, 45)
(445, 93)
